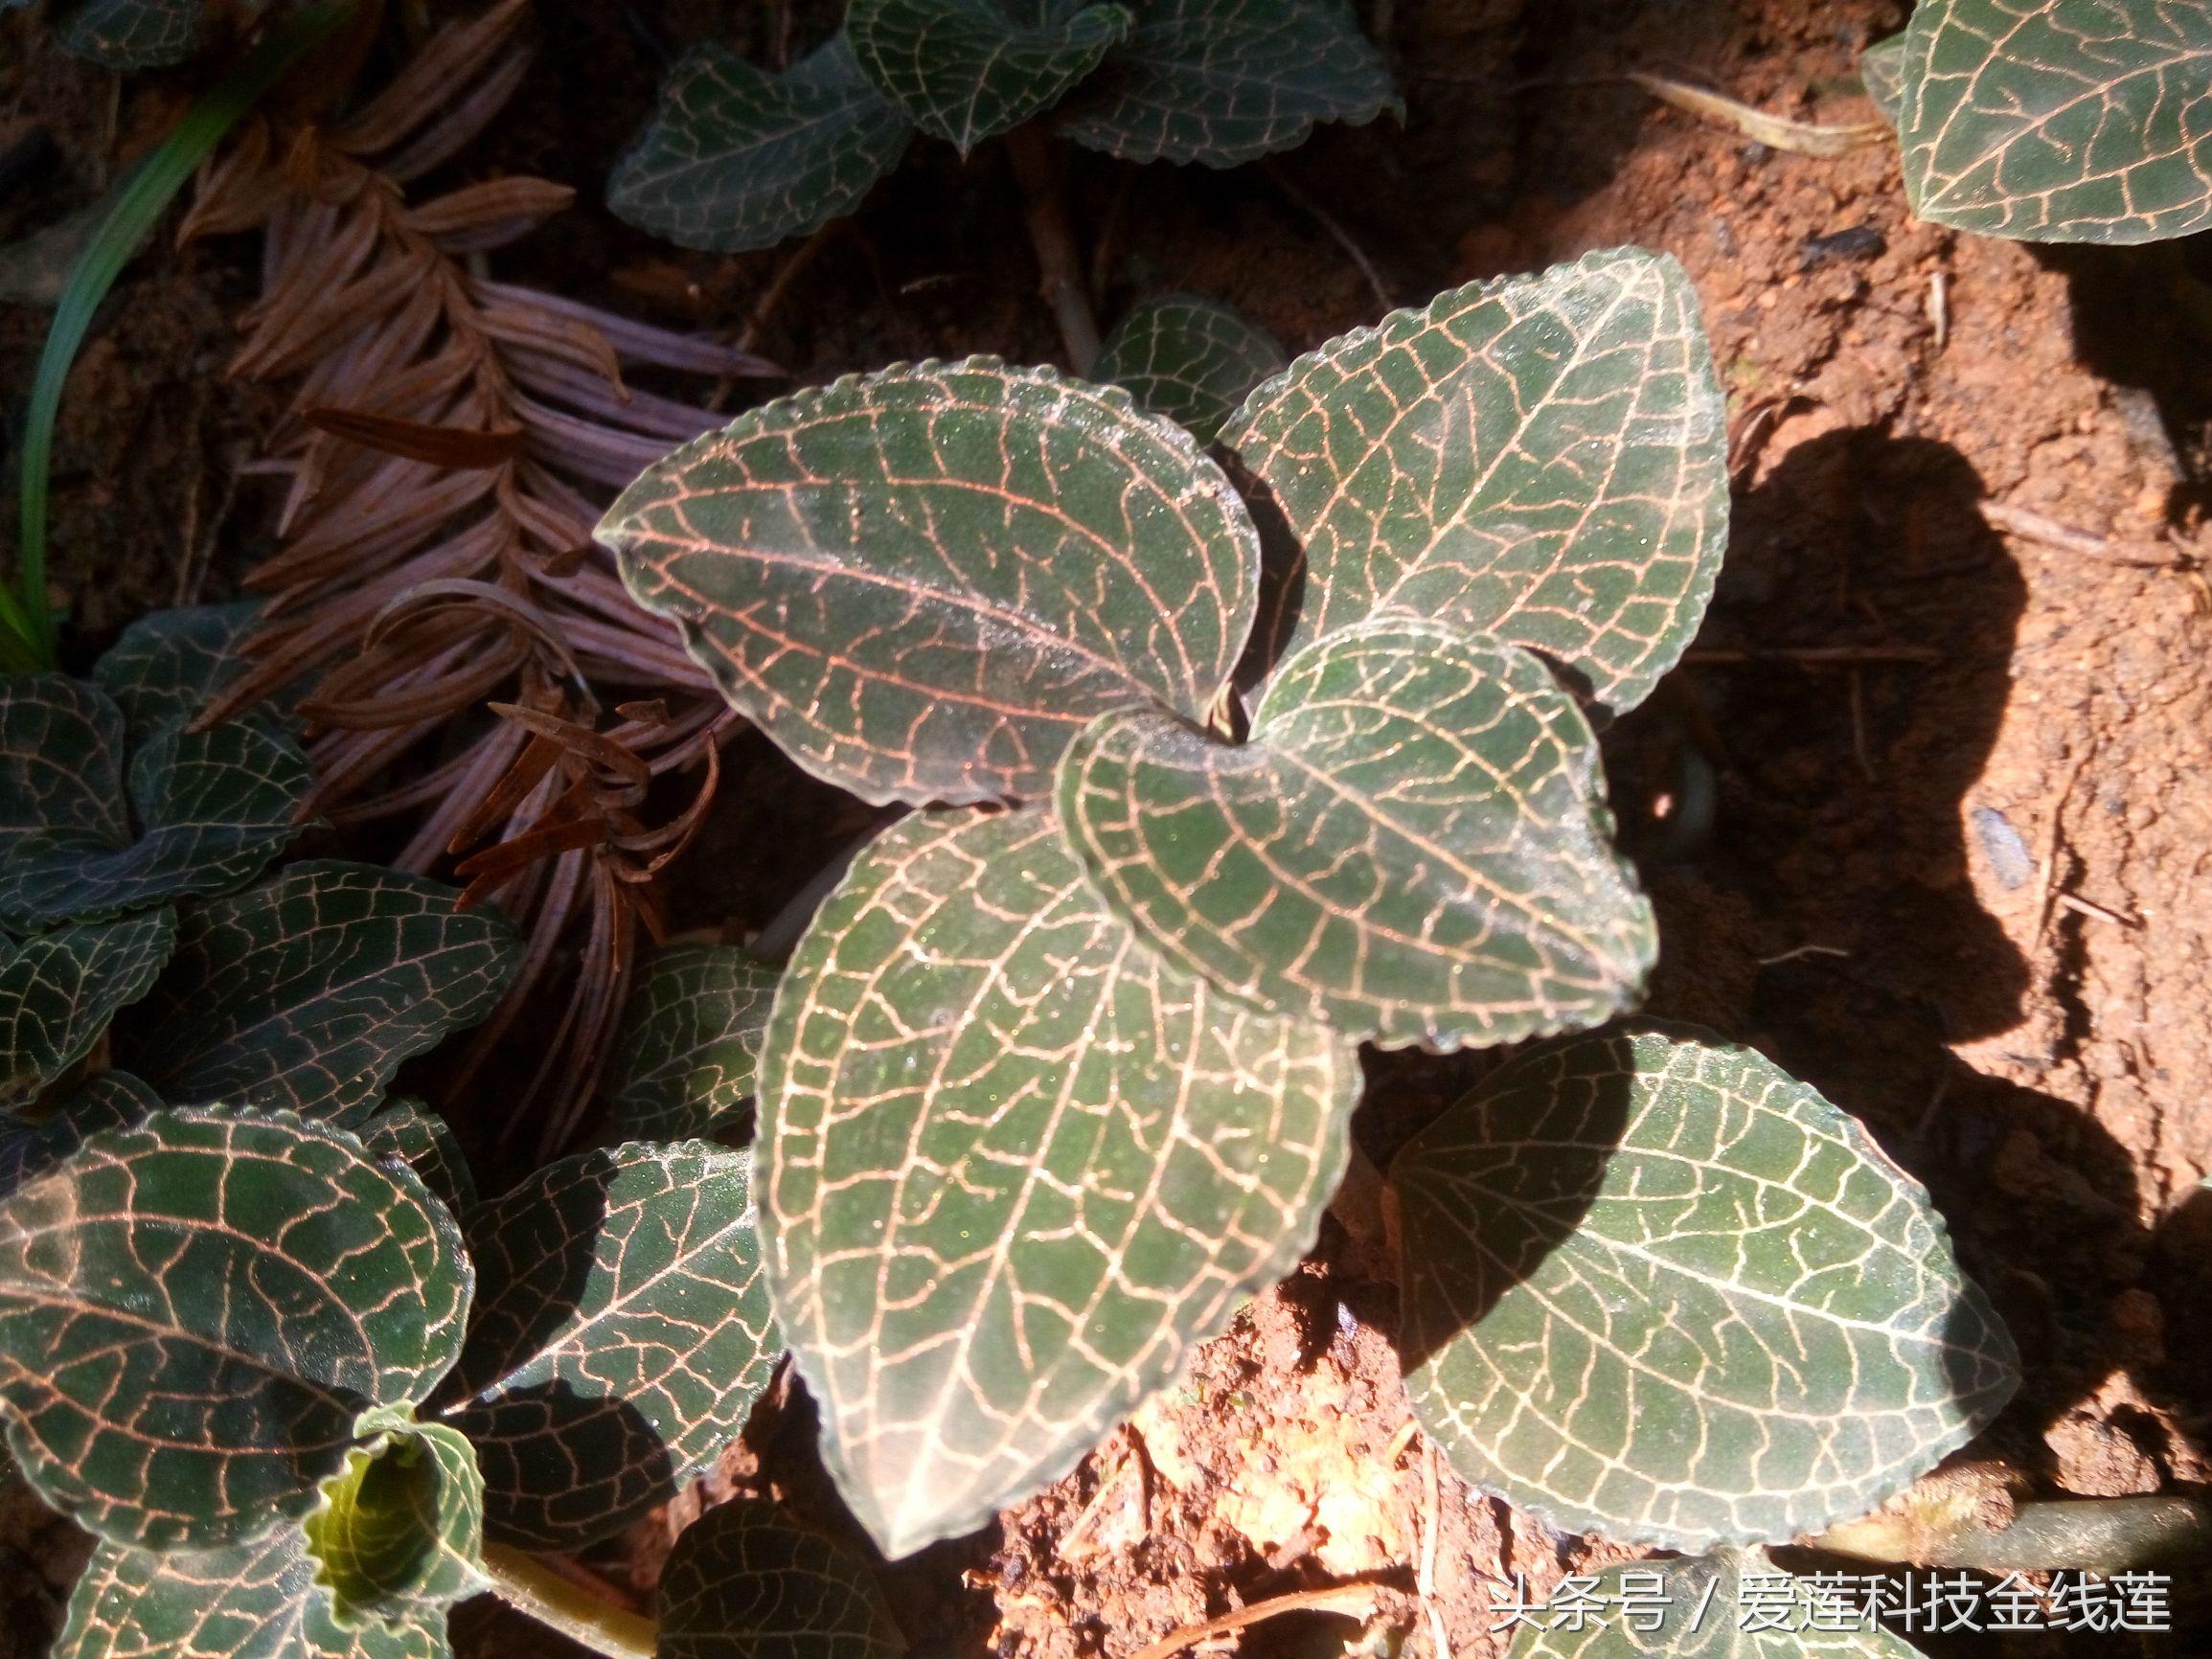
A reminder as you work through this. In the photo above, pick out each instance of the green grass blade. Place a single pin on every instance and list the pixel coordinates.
(28, 637)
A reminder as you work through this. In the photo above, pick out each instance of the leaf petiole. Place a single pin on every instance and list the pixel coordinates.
(528, 1586)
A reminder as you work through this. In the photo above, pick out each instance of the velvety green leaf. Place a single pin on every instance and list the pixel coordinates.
(963, 70)
(921, 584)
(167, 664)
(193, 1311)
(2076, 121)
(398, 1533)
(59, 990)
(691, 1042)
(1541, 458)
(1014, 1167)
(743, 1583)
(307, 991)
(29, 1146)
(253, 1600)
(410, 1132)
(1412, 848)
(735, 158)
(1191, 360)
(1655, 1289)
(621, 1338)
(210, 809)
(1696, 1608)
(1226, 81)
(133, 34)
(1882, 67)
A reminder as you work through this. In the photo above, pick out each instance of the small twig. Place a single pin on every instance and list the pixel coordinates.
(1858, 747)
(2046, 879)
(1424, 1579)
(1801, 952)
(1777, 132)
(1935, 1100)
(779, 288)
(2028, 524)
(1037, 168)
(2080, 906)
(1358, 1600)
(1939, 307)
(1328, 222)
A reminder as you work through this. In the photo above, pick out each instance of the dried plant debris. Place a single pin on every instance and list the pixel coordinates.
(446, 439)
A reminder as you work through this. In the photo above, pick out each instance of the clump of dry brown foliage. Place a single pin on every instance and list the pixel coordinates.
(448, 441)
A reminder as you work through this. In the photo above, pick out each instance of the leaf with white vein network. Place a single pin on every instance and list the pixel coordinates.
(398, 1535)
(1188, 360)
(965, 70)
(110, 1100)
(1697, 1608)
(307, 991)
(1227, 82)
(921, 584)
(1657, 1289)
(253, 1600)
(59, 990)
(1541, 457)
(691, 1042)
(621, 1337)
(1014, 1168)
(1413, 846)
(168, 663)
(410, 1132)
(136, 33)
(84, 836)
(2078, 121)
(194, 1310)
(743, 1583)
(1881, 68)
(735, 158)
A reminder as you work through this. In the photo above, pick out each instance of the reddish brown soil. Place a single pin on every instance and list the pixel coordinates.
(1960, 884)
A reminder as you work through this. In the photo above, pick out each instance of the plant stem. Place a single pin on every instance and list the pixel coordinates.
(1037, 168)
(529, 1587)
(27, 620)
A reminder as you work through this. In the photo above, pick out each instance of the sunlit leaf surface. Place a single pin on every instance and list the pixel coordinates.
(1657, 1289)
(1540, 458)
(921, 584)
(2079, 121)
(1014, 1167)
(1413, 846)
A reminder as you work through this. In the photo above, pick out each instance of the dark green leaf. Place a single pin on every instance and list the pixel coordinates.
(735, 158)
(622, 1335)
(1014, 1168)
(253, 1600)
(1188, 359)
(30, 1147)
(965, 70)
(194, 1310)
(408, 1130)
(1655, 1289)
(743, 1583)
(398, 1533)
(59, 990)
(1697, 1609)
(2077, 121)
(1542, 458)
(1882, 67)
(211, 807)
(923, 582)
(1412, 848)
(167, 664)
(1226, 81)
(307, 991)
(691, 1041)
(134, 34)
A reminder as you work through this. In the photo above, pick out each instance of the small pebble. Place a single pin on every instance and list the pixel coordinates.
(2007, 853)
